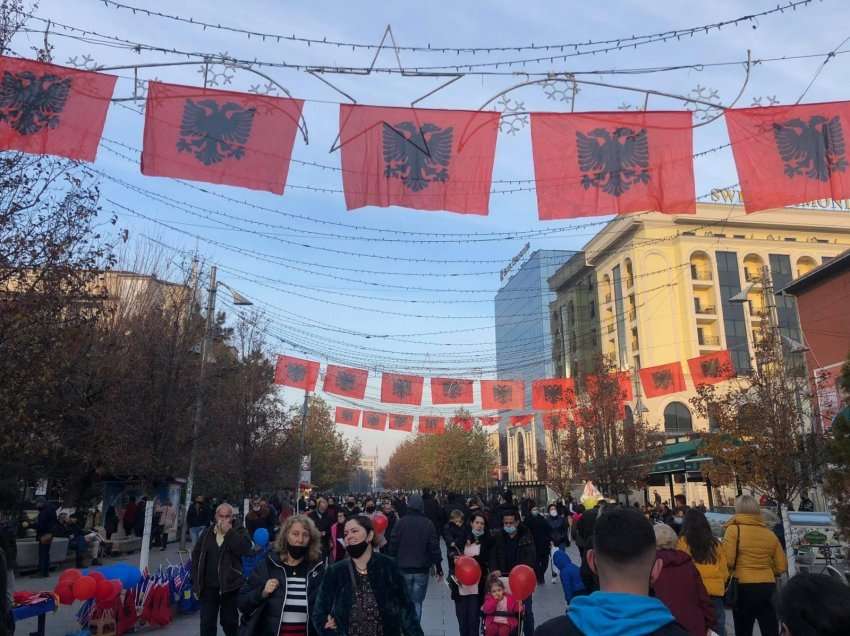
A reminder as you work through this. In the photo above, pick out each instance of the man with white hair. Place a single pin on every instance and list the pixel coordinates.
(217, 572)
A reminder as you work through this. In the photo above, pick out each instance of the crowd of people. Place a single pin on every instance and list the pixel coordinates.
(361, 565)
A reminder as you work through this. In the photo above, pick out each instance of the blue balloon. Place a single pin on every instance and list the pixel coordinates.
(130, 577)
(261, 537)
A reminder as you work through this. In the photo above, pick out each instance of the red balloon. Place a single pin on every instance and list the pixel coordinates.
(467, 570)
(84, 588)
(65, 593)
(104, 590)
(522, 581)
(380, 522)
(97, 576)
(116, 586)
(70, 575)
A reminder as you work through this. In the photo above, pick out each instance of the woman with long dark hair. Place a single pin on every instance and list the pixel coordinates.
(365, 594)
(468, 598)
(710, 560)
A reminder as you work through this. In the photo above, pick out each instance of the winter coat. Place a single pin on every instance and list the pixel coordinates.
(199, 516)
(414, 544)
(323, 523)
(680, 588)
(236, 545)
(539, 532)
(526, 553)
(714, 575)
(569, 574)
(489, 610)
(336, 598)
(760, 556)
(270, 609)
(482, 558)
(455, 538)
(558, 530)
(432, 511)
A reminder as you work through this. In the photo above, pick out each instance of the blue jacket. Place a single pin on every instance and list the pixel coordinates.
(569, 573)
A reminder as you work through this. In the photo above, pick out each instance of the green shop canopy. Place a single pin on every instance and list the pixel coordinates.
(680, 457)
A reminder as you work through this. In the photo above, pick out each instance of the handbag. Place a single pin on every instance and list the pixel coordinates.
(730, 596)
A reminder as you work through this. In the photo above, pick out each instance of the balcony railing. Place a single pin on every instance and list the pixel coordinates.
(709, 340)
(705, 310)
(700, 274)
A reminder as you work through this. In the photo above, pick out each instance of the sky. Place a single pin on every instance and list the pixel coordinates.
(391, 288)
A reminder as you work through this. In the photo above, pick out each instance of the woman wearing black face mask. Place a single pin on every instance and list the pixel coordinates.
(281, 593)
(365, 594)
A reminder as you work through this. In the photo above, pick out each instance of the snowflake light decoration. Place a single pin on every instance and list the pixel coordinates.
(514, 117)
(85, 62)
(770, 99)
(264, 89)
(220, 71)
(561, 89)
(625, 106)
(704, 112)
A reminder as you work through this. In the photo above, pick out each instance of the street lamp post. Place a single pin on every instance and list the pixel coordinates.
(197, 415)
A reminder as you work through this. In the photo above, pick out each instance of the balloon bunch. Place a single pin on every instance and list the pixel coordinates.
(102, 584)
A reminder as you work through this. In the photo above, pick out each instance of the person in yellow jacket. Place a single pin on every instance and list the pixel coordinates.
(755, 558)
(710, 560)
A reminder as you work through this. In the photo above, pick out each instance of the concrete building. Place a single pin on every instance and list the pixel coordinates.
(523, 352)
(653, 288)
(823, 303)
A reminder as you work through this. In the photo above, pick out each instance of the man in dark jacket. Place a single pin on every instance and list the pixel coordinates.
(540, 533)
(513, 545)
(217, 572)
(432, 509)
(623, 557)
(198, 518)
(321, 516)
(416, 547)
(45, 526)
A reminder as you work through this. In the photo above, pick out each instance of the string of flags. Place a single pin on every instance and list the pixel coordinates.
(586, 164)
(554, 397)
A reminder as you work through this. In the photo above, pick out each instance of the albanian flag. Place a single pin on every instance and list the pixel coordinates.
(490, 420)
(397, 388)
(790, 154)
(417, 157)
(465, 422)
(295, 372)
(555, 421)
(346, 381)
(374, 421)
(451, 391)
(239, 139)
(590, 164)
(662, 379)
(502, 394)
(552, 394)
(522, 420)
(401, 422)
(711, 368)
(351, 417)
(429, 425)
(52, 110)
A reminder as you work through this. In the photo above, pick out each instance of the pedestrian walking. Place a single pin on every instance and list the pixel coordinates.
(217, 572)
(365, 594)
(45, 527)
(128, 519)
(416, 548)
(468, 598)
(198, 518)
(679, 586)
(323, 520)
(755, 559)
(513, 545)
(283, 587)
(337, 544)
(539, 528)
(709, 558)
(167, 518)
(501, 610)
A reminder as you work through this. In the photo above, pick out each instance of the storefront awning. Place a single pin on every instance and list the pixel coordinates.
(680, 457)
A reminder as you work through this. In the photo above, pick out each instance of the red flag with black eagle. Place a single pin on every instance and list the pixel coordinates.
(295, 372)
(522, 420)
(591, 164)
(465, 422)
(429, 425)
(502, 394)
(553, 394)
(418, 158)
(346, 381)
(374, 421)
(398, 388)
(711, 368)
(350, 417)
(401, 422)
(52, 110)
(662, 379)
(451, 391)
(202, 134)
(786, 155)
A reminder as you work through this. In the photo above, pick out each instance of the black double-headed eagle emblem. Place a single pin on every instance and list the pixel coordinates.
(814, 149)
(29, 102)
(452, 389)
(346, 381)
(213, 132)
(417, 155)
(402, 388)
(296, 372)
(662, 379)
(613, 160)
(503, 393)
(710, 368)
(553, 393)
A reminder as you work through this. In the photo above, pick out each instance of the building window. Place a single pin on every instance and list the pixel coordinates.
(592, 308)
(734, 323)
(786, 306)
(520, 453)
(620, 313)
(677, 418)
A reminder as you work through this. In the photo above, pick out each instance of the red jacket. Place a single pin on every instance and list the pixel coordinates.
(680, 588)
(489, 609)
